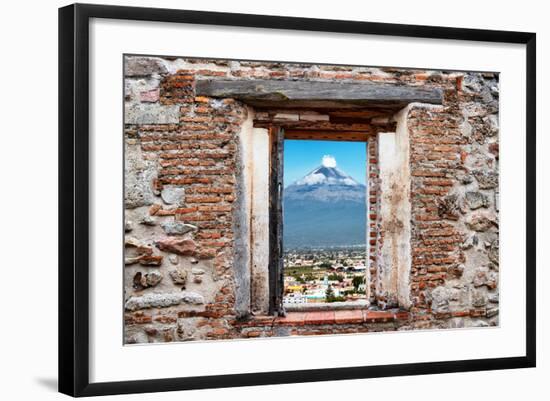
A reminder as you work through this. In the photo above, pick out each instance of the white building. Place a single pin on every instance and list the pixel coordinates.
(294, 298)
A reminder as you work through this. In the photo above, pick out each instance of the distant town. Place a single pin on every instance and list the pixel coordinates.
(324, 275)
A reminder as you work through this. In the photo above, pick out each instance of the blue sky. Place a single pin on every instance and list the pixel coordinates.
(302, 156)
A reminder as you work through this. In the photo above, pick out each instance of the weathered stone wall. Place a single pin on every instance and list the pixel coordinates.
(454, 168)
(189, 270)
(182, 182)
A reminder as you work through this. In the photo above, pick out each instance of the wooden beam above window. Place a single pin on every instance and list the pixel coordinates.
(348, 136)
(314, 94)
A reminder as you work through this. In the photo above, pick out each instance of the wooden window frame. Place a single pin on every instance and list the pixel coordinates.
(277, 135)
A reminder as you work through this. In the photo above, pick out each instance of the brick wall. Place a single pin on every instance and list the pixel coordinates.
(182, 172)
(374, 234)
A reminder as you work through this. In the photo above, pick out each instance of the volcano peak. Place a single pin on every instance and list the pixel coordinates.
(327, 174)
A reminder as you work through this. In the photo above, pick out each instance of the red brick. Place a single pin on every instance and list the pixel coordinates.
(202, 199)
(217, 332)
(348, 316)
(319, 317)
(378, 316)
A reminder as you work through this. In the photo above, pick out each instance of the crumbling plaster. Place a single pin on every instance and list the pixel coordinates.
(394, 218)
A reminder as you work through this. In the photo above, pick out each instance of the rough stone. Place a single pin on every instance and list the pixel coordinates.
(179, 276)
(492, 123)
(147, 280)
(472, 83)
(131, 260)
(480, 223)
(494, 252)
(467, 179)
(440, 300)
(479, 299)
(172, 227)
(151, 260)
(492, 312)
(480, 323)
(185, 247)
(475, 200)
(456, 271)
(450, 207)
(149, 96)
(163, 300)
(148, 220)
(139, 173)
(494, 298)
(486, 179)
(172, 195)
(187, 328)
(494, 149)
(133, 242)
(456, 323)
(139, 337)
(134, 248)
(151, 113)
(206, 253)
(128, 226)
(282, 331)
(197, 271)
(143, 66)
(485, 278)
(174, 259)
(470, 242)
(464, 178)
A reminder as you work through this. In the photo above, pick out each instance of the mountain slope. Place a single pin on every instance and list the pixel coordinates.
(324, 208)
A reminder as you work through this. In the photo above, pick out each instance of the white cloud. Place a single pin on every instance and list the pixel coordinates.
(329, 161)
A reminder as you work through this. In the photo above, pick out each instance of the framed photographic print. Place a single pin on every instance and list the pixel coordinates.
(249, 199)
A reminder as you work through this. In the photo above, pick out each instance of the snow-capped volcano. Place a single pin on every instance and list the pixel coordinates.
(326, 207)
(327, 173)
(326, 183)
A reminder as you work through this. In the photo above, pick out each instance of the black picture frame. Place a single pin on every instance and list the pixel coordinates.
(74, 198)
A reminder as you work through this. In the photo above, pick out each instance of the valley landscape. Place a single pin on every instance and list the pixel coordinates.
(324, 236)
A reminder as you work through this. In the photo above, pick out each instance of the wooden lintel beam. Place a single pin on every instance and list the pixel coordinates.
(349, 136)
(313, 125)
(262, 93)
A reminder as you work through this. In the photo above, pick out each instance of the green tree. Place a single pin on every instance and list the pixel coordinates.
(357, 281)
(336, 277)
(329, 294)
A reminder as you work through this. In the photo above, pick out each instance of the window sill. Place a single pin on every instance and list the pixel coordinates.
(325, 317)
(327, 306)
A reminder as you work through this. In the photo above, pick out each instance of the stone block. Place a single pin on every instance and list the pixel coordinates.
(150, 96)
(179, 276)
(143, 66)
(147, 280)
(186, 247)
(177, 227)
(172, 195)
(486, 179)
(476, 200)
(480, 223)
(151, 114)
(138, 177)
(163, 300)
